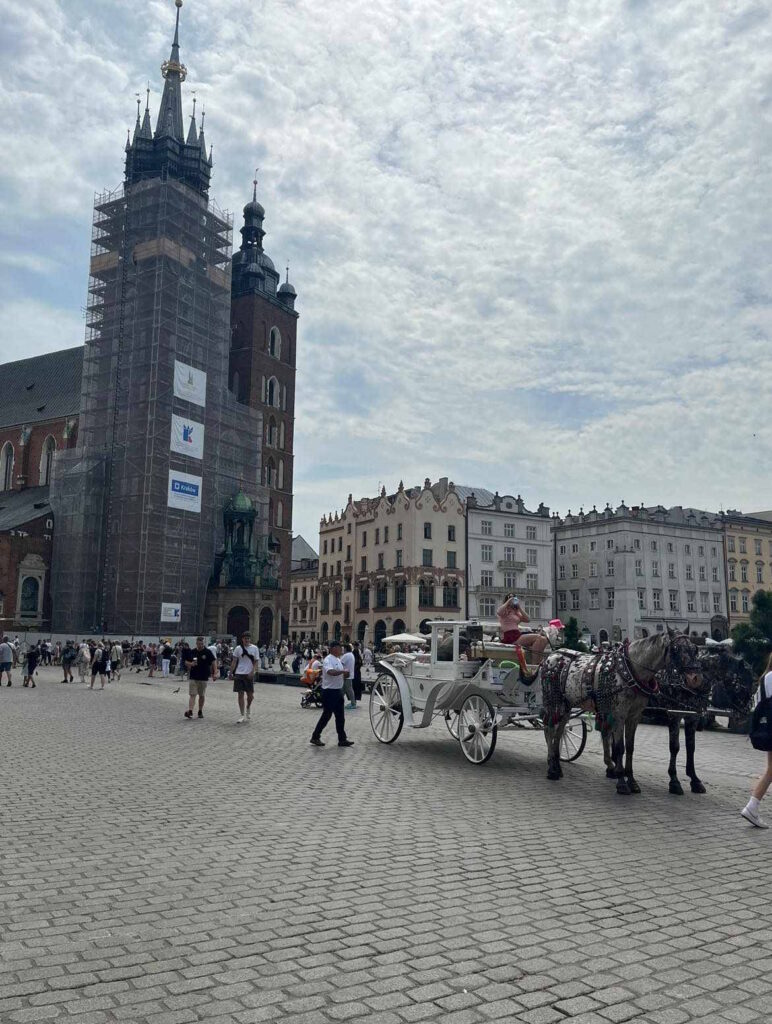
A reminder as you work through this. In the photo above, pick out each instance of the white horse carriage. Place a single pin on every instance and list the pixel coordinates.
(477, 691)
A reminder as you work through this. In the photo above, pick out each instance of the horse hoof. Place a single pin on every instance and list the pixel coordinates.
(623, 789)
(676, 788)
(634, 787)
(553, 775)
(611, 773)
(697, 786)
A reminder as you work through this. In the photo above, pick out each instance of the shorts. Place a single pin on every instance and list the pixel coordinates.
(243, 684)
(5, 666)
(197, 687)
(115, 665)
(511, 636)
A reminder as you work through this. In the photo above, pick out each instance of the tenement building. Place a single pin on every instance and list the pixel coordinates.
(389, 564)
(748, 551)
(303, 599)
(630, 572)
(508, 551)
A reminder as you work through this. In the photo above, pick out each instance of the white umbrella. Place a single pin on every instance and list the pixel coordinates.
(404, 638)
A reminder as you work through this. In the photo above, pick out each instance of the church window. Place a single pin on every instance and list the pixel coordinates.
(274, 342)
(281, 474)
(273, 395)
(272, 434)
(6, 466)
(270, 473)
(279, 513)
(281, 435)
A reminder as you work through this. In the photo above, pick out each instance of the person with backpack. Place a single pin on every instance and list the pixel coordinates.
(761, 739)
(243, 668)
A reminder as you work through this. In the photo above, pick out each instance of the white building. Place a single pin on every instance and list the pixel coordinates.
(508, 550)
(629, 572)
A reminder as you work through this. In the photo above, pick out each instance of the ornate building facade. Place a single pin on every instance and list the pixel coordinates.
(390, 563)
(748, 554)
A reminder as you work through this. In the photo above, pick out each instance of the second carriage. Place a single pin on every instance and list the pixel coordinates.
(476, 689)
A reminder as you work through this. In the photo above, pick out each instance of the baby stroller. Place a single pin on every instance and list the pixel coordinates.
(312, 681)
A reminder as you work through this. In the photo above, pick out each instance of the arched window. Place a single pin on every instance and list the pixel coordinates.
(281, 474)
(281, 435)
(270, 473)
(47, 460)
(273, 393)
(30, 596)
(325, 632)
(272, 433)
(603, 636)
(449, 594)
(274, 342)
(426, 594)
(279, 513)
(6, 466)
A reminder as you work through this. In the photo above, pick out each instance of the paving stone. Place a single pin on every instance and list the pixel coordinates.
(546, 903)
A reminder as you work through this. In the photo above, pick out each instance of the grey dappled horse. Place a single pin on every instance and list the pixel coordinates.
(617, 684)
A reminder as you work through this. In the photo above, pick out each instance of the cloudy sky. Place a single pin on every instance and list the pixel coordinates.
(531, 239)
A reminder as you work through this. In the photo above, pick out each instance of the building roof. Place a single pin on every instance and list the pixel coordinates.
(20, 507)
(483, 496)
(302, 549)
(41, 388)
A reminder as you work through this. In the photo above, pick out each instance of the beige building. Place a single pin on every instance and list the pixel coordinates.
(388, 564)
(748, 553)
(304, 574)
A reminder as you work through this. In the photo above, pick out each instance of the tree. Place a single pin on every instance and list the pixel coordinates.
(753, 640)
(571, 636)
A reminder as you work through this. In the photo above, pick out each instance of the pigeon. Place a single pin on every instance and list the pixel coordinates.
(177, 690)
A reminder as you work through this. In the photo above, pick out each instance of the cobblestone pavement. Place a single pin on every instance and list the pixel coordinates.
(161, 870)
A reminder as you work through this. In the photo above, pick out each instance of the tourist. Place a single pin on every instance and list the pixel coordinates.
(349, 663)
(358, 686)
(511, 616)
(333, 675)
(751, 810)
(243, 668)
(83, 661)
(6, 660)
(200, 664)
(31, 664)
(69, 654)
(100, 662)
(116, 660)
(166, 658)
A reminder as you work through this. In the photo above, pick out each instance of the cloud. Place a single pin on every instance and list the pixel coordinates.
(530, 242)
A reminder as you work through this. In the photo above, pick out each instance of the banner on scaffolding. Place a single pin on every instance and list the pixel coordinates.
(171, 612)
(184, 491)
(189, 383)
(187, 437)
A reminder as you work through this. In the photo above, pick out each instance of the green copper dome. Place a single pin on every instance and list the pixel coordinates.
(240, 503)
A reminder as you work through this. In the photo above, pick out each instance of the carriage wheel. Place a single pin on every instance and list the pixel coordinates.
(573, 740)
(451, 720)
(477, 729)
(386, 715)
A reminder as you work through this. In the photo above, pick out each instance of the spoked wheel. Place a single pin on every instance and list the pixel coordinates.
(451, 720)
(477, 729)
(386, 716)
(573, 740)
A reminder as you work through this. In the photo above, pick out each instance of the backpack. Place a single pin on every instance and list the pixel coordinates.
(761, 722)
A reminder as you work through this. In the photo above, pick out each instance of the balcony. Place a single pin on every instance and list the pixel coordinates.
(507, 563)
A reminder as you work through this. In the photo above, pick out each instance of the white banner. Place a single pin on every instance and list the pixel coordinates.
(187, 437)
(171, 612)
(184, 491)
(189, 383)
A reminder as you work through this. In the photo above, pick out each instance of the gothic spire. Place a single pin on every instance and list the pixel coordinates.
(192, 134)
(147, 128)
(174, 73)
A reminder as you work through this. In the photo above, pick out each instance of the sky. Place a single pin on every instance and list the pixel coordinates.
(530, 239)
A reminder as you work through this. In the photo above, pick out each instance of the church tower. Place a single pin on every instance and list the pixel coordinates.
(262, 374)
(162, 443)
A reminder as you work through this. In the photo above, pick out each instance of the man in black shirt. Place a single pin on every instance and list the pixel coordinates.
(200, 664)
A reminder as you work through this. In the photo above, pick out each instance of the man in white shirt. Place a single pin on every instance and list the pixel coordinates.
(6, 659)
(349, 664)
(243, 668)
(333, 674)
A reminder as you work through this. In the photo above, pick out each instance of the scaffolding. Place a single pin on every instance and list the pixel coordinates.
(159, 291)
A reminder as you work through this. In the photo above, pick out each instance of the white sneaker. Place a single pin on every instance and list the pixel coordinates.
(753, 817)
(240, 720)
(248, 714)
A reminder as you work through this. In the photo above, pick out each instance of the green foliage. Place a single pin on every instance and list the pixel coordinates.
(753, 640)
(571, 636)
